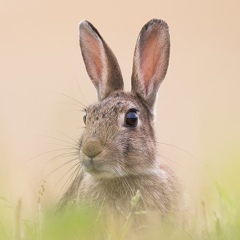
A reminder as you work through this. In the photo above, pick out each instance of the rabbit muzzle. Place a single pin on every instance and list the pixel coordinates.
(90, 152)
(92, 156)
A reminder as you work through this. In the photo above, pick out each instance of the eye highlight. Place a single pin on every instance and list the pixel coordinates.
(131, 118)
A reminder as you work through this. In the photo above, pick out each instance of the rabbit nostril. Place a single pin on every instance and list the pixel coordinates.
(92, 148)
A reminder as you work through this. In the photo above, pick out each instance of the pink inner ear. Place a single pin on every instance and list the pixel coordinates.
(94, 60)
(150, 59)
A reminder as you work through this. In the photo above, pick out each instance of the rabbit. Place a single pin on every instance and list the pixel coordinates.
(118, 149)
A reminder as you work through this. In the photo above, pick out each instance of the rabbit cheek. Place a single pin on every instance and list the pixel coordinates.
(139, 150)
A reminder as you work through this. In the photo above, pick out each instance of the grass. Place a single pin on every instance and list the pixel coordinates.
(216, 216)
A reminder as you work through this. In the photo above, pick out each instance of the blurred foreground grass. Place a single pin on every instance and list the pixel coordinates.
(215, 216)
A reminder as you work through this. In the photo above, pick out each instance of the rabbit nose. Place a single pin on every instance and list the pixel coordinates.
(92, 148)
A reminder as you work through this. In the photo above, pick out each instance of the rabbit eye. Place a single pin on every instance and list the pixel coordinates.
(85, 119)
(131, 118)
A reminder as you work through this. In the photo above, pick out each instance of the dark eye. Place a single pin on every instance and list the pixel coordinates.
(85, 118)
(131, 118)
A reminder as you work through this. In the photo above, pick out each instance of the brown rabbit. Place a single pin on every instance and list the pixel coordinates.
(117, 150)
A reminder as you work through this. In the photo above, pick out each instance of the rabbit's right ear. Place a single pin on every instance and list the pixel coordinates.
(150, 61)
(100, 62)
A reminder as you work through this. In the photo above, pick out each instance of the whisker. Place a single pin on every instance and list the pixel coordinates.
(42, 154)
(62, 145)
(61, 140)
(64, 134)
(61, 166)
(80, 89)
(173, 146)
(73, 104)
(57, 157)
(68, 111)
(181, 149)
(170, 160)
(72, 99)
(68, 181)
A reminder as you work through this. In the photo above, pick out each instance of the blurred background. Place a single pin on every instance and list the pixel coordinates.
(42, 72)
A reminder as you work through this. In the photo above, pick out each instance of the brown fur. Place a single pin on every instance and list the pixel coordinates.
(117, 160)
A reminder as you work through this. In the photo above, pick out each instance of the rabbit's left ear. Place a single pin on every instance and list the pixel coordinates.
(100, 62)
(150, 61)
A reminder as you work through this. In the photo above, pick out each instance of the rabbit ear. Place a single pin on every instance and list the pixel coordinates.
(100, 62)
(150, 61)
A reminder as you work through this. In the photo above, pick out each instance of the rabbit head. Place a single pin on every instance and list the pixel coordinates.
(118, 139)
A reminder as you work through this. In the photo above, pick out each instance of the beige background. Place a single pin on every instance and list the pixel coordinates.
(198, 105)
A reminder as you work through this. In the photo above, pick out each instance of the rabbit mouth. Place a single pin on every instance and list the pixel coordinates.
(100, 174)
(96, 168)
